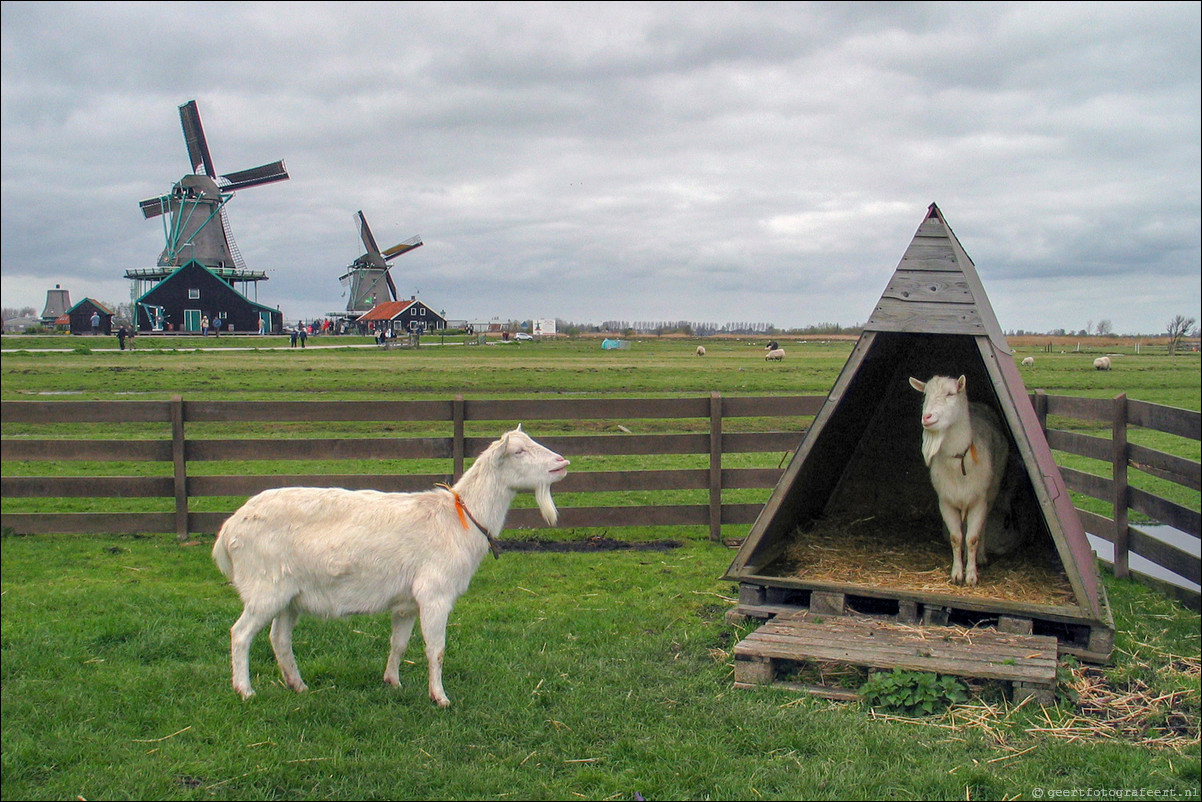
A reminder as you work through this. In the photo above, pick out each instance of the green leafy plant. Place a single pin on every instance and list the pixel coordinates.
(912, 692)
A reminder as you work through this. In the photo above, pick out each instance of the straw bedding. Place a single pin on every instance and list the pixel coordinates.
(913, 555)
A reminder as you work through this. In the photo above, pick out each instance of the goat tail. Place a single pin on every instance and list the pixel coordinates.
(221, 555)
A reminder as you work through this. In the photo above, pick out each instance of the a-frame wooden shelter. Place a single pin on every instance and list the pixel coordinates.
(860, 465)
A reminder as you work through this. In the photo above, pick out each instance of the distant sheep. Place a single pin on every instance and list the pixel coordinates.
(1102, 363)
(1028, 361)
(776, 354)
(332, 552)
(701, 350)
(966, 451)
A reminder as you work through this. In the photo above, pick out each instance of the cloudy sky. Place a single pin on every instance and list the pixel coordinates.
(712, 162)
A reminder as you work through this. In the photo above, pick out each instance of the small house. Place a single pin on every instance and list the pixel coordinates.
(193, 292)
(403, 317)
(80, 318)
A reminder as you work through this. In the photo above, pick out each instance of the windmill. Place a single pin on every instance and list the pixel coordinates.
(369, 275)
(194, 218)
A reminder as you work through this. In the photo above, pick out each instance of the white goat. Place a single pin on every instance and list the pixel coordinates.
(1102, 363)
(966, 451)
(1028, 361)
(332, 552)
(776, 353)
(701, 350)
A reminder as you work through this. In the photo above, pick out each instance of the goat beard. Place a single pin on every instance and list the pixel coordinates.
(931, 443)
(546, 505)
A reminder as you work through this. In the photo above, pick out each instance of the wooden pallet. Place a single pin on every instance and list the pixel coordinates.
(1092, 641)
(1026, 662)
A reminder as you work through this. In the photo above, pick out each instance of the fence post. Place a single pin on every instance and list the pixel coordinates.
(715, 466)
(180, 467)
(457, 446)
(1041, 409)
(1118, 459)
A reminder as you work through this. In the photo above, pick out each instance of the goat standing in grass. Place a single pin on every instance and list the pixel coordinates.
(332, 552)
(966, 451)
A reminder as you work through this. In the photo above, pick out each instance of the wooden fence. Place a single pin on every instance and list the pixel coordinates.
(712, 435)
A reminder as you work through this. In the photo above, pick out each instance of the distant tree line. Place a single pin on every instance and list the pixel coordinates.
(693, 328)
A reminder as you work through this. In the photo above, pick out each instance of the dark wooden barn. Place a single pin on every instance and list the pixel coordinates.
(181, 300)
(853, 524)
(80, 317)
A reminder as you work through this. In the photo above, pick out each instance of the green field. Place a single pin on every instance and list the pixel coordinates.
(572, 675)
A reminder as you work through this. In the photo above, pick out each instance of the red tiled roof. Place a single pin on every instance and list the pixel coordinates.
(386, 311)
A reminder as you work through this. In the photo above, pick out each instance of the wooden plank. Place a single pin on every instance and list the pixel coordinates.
(929, 286)
(930, 263)
(1165, 511)
(926, 318)
(585, 409)
(1098, 487)
(978, 653)
(968, 659)
(1083, 445)
(1059, 613)
(930, 248)
(1096, 524)
(320, 449)
(772, 406)
(248, 485)
(615, 444)
(1173, 420)
(1092, 409)
(242, 411)
(1166, 555)
(85, 411)
(80, 523)
(761, 442)
(1170, 467)
(574, 482)
(87, 487)
(85, 450)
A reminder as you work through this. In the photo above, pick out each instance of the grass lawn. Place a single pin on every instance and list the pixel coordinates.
(573, 675)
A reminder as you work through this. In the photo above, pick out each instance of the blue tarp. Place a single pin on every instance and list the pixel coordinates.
(609, 344)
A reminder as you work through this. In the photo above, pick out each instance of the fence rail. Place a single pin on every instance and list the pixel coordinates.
(709, 441)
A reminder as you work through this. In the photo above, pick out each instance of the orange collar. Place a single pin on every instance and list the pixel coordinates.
(972, 449)
(462, 509)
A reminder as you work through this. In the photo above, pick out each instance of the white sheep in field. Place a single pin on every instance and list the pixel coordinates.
(332, 552)
(966, 451)
(701, 350)
(1102, 363)
(1028, 361)
(776, 354)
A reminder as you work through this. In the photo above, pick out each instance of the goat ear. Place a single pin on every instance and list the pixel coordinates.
(960, 383)
(917, 385)
(519, 428)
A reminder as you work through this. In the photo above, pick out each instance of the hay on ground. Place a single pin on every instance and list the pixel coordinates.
(914, 556)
